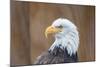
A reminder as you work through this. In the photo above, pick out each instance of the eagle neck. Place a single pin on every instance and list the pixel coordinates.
(69, 42)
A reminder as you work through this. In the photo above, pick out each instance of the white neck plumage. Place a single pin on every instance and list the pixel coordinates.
(68, 40)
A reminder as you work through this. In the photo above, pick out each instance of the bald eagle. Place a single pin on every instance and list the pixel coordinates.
(64, 49)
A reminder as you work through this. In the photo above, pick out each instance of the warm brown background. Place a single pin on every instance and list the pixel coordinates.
(28, 23)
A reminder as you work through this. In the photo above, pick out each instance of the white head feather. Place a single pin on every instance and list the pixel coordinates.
(68, 38)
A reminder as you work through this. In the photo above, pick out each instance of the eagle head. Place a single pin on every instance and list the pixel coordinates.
(66, 35)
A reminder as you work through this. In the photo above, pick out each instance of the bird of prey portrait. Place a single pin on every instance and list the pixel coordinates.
(65, 47)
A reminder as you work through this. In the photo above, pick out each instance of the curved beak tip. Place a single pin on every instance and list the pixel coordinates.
(50, 30)
(46, 34)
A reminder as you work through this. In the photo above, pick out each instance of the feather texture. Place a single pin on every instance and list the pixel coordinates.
(57, 56)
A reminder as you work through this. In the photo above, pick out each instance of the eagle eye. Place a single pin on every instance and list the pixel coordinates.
(59, 26)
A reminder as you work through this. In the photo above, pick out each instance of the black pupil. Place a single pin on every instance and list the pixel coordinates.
(60, 26)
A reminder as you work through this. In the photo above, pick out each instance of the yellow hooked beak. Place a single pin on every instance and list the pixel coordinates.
(51, 30)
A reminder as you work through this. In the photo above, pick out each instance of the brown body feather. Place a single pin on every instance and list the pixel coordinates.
(56, 56)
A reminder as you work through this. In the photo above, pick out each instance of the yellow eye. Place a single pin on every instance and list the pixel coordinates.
(59, 26)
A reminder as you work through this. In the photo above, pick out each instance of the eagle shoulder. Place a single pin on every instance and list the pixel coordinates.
(56, 56)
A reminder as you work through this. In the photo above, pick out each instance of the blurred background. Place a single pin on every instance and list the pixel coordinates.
(30, 19)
